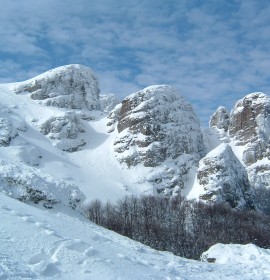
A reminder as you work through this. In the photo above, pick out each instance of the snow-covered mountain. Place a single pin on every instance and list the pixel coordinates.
(247, 130)
(58, 128)
(71, 86)
(63, 144)
(157, 129)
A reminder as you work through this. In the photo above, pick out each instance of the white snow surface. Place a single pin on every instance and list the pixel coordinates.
(248, 255)
(92, 168)
(56, 244)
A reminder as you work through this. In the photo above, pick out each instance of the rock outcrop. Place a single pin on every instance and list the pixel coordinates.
(247, 128)
(224, 179)
(250, 127)
(154, 132)
(66, 131)
(250, 119)
(219, 123)
(155, 125)
(220, 119)
(7, 132)
(71, 86)
(30, 185)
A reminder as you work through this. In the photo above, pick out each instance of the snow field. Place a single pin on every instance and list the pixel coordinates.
(38, 244)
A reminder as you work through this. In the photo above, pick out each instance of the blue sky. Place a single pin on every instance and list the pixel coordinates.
(214, 52)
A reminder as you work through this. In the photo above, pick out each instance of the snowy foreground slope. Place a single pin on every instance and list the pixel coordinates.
(52, 244)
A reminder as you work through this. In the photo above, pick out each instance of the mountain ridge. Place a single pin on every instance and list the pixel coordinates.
(151, 142)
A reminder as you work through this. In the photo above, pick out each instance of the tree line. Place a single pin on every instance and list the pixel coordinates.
(185, 228)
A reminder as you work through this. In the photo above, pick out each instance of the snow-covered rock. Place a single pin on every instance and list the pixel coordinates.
(224, 179)
(250, 119)
(7, 132)
(156, 125)
(249, 255)
(66, 131)
(250, 127)
(220, 119)
(219, 122)
(28, 184)
(108, 102)
(155, 141)
(247, 129)
(71, 86)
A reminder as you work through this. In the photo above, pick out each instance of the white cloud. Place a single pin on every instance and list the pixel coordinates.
(213, 53)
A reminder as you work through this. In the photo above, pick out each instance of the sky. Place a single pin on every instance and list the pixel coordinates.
(213, 52)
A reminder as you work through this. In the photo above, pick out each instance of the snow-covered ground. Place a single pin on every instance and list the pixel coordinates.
(56, 244)
(93, 168)
(55, 148)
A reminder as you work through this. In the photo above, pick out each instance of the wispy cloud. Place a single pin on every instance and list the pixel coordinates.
(214, 52)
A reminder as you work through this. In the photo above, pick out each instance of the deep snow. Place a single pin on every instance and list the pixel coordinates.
(56, 244)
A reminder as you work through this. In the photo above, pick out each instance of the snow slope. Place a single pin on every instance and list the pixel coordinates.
(70, 142)
(92, 167)
(52, 244)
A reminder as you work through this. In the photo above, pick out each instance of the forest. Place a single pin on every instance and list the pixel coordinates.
(185, 228)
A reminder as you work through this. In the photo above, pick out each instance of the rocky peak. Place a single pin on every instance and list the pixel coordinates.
(71, 86)
(250, 119)
(155, 125)
(250, 127)
(220, 119)
(218, 128)
(160, 124)
(224, 179)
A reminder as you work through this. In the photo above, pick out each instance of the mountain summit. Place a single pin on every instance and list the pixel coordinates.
(58, 127)
(71, 86)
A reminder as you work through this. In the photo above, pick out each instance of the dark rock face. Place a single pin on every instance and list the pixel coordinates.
(220, 119)
(250, 127)
(250, 119)
(224, 179)
(71, 86)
